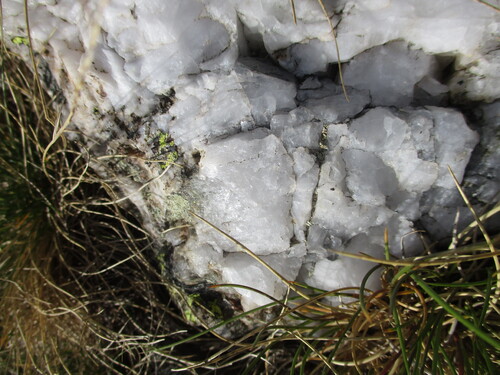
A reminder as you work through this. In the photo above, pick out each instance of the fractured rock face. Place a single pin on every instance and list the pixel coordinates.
(245, 185)
(464, 30)
(170, 95)
(374, 175)
(374, 70)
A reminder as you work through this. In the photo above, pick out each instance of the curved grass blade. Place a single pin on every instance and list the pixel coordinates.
(472, 327)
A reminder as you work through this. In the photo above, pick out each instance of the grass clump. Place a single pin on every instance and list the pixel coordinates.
(36, 314)
(79, 291)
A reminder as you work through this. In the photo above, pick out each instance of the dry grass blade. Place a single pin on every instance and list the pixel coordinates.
(339, 65)
(427, 261)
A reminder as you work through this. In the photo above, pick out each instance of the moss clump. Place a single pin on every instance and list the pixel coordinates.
(167, 147)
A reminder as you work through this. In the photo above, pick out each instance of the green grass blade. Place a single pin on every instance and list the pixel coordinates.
(397, 323)
(362, 288)
(451, 365)
(486, 304)
(342, 337)
(295, 359)
(307, 353)
(490, 366)
(476, 330)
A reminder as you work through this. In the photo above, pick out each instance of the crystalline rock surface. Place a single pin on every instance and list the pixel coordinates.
(267, 148)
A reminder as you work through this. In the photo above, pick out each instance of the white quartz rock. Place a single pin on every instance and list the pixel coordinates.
(195, 262)
(405, 203)
(297, 129)
(379, 130)
(421, 124)
(375, 175)
(331, 271)
(248, 99)
(404, 241)
(419, 151)
(259, 17)
(345, 272)
(241, 269)
(196, 117)
(327, 100)
(478, 80)
(414, 174)
(429, 91)
(128, 51)
(454, 142)
(439, 219)
(307, 173)
(390, 139)
(266, 94)
(335, 274)
(244, 187)
(368, 179)
(336, 209)
(384, 72)
(367, 23)
(380, 166)
(162, 40)
(252, 159)
(463, 28)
